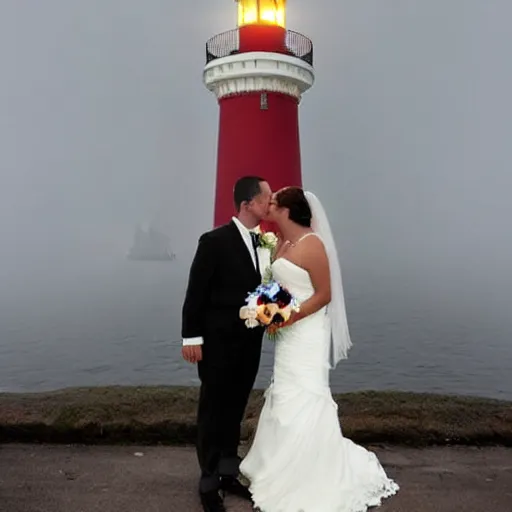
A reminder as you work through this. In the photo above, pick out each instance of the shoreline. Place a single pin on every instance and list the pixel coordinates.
(166, 415)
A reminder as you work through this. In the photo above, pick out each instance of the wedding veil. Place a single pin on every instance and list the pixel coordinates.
(340, 337)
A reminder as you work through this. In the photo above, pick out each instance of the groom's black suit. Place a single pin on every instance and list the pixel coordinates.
(221, 276)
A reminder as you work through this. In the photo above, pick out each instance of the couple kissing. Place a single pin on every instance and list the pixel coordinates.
(299, 459)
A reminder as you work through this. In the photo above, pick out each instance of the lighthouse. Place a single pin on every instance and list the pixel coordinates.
(258, 72)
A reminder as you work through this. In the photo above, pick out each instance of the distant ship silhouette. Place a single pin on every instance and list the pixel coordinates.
(150, 244)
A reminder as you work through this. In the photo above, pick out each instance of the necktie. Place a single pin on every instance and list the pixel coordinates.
(255, 244)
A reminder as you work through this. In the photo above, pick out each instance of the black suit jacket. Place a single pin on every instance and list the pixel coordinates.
(221, 276)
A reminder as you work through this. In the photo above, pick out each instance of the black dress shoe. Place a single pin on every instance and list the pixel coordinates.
(233, 486)
(212, 501)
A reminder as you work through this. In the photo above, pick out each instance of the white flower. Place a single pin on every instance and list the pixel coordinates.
(269, 239)
(251, 323)
(252, 303)
(251, 313)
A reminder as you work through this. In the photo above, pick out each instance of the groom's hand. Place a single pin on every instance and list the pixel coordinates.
(192, 353)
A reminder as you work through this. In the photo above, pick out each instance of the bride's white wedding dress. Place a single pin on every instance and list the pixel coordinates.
(299, 460)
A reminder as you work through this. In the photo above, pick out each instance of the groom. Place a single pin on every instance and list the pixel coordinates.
(228, 264)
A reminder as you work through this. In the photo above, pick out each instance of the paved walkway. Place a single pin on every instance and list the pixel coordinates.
(37, 478)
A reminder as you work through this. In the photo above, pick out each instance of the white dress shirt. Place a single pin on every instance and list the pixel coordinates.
(245, 233)
(246, 236)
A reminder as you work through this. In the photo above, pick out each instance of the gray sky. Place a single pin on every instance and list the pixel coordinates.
(404, 135)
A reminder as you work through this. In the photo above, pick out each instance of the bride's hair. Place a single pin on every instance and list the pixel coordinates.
(294, 199)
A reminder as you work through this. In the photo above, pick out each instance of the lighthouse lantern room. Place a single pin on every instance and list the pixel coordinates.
(261, 12)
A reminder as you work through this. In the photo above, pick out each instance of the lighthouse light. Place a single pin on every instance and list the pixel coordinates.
(261, 12)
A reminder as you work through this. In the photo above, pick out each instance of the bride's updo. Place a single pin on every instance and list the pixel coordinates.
(294, 199)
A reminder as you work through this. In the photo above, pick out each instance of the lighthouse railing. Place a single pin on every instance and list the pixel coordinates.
(228, 43)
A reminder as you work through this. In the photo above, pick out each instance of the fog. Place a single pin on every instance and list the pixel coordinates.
(105, 123)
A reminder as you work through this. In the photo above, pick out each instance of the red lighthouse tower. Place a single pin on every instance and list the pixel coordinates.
(258, 72)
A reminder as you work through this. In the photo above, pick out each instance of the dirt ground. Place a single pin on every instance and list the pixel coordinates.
(59, 478)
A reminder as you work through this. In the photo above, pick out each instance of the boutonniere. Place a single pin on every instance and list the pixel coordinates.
(268, 240)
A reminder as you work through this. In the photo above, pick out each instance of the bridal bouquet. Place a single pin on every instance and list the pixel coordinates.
(268, 305)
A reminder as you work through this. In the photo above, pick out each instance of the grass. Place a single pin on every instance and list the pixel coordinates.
(166, 415)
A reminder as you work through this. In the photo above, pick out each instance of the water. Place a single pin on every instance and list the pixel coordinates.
(120, 325)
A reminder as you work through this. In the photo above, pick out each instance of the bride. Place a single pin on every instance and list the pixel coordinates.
(299, 460)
